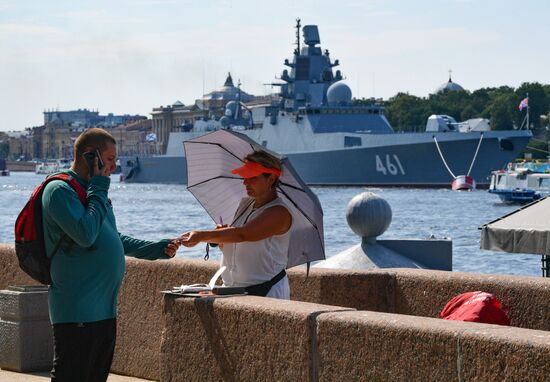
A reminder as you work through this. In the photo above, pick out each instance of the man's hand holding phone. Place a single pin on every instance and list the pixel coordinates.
(95, 164)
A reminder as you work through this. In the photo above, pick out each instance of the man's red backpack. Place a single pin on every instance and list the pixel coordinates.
(29, 231)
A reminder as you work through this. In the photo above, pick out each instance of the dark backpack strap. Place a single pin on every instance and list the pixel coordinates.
(264, 288)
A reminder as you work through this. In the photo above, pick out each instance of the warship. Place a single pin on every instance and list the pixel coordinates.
(330, 141)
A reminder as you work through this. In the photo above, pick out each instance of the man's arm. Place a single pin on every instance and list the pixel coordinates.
(81, 224)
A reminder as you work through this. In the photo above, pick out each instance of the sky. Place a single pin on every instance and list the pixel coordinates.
(128, 56)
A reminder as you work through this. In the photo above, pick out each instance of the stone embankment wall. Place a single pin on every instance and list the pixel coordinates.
(341, 324)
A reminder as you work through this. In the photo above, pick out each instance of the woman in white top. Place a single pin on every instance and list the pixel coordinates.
(255, 247)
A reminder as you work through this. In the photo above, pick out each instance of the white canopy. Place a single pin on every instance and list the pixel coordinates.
(526, 230)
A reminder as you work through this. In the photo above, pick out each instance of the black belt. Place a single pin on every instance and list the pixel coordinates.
(264, 288)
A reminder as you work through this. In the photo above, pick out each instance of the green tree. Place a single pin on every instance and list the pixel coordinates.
(538, 102)
(363, 101)
(407, 112)
(479, 100)
(501, 111)
(449, 102)
(500, 104)
(547, 91)
(538, 148)
(468, 112)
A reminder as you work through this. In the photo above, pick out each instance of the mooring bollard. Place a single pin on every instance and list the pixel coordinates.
(26, 342)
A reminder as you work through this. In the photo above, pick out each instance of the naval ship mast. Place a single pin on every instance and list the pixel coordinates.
(310, 75)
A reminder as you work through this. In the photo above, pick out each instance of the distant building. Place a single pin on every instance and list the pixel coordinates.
(132, 138)
(448, 86)
(175, 117)
(19, 144)
(55, 139)
(220, 97)
(86, 118)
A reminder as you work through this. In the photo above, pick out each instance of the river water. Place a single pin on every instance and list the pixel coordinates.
(154, 211)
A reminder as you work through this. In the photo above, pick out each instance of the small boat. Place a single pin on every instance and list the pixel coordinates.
(46, 168)
(519, 186)
(49, 167)
(463, 183)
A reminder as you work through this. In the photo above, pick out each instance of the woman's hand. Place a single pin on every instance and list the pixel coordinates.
(190, 239)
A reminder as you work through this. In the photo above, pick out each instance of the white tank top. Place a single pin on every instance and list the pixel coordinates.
(254, 262)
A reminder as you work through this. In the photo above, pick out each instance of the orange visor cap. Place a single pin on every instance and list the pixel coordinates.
(252, 169)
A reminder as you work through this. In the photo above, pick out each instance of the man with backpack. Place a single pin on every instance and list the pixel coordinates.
(87, 261)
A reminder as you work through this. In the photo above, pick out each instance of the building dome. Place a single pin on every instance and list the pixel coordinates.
(449, 86)
(228, 92)
(338, 94)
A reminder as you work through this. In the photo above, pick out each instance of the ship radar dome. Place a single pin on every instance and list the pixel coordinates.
(338, 94)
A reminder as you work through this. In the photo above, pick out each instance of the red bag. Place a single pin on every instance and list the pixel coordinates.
(475, 307)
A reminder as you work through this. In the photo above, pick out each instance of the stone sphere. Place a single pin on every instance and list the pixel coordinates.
(368, 215)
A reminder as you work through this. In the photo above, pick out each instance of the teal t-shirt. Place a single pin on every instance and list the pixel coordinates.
(88, 268)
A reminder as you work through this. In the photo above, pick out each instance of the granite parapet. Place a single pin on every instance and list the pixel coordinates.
(382, 298)
(374, 346)
(244, 338)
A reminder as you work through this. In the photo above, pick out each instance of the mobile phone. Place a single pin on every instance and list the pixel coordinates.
(100, 163)
(89, 156)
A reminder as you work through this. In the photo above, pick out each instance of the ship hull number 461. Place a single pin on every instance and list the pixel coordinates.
(391, 165)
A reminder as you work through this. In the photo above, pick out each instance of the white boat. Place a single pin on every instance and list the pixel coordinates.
(519, 186)
(49, 167)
